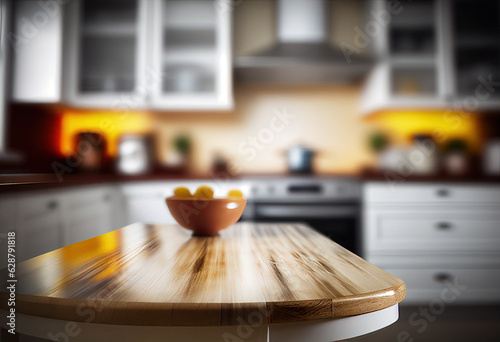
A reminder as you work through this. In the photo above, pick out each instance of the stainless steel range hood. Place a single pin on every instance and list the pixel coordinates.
(302, 54)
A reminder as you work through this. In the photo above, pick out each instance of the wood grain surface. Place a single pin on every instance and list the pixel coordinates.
(159, 275)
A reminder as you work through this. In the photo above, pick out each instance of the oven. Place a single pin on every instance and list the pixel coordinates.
(329, 205)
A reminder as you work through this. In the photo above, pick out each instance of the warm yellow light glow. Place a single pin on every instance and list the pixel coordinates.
(83, 253)
(441, 125)
(110, 124)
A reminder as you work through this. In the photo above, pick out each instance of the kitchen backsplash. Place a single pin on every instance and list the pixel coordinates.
(267, 120)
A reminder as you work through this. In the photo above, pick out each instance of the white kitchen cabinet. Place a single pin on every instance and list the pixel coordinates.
(7, 224)
(148, 209)
(89, 213)
(46, 220)
(429, 234)
(105, 63)
(37, 43)
(153, 54)
(145, 201)
(435, 55)
(7, 214)
(426, 284)
(191, 55)
(39, 224)
(412, 57)
(433, 229)
(435, 193)
(475, 67)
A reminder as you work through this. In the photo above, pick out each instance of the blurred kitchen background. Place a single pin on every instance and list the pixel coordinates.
(375, 121)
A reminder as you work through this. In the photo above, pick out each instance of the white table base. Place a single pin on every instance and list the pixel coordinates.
(304, 331)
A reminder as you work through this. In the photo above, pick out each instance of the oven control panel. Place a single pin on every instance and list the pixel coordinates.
(293, 189)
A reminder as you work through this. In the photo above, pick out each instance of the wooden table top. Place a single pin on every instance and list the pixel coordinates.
(159, 275)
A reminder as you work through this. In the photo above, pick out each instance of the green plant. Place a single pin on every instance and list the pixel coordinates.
(378, 141)
(182, 144)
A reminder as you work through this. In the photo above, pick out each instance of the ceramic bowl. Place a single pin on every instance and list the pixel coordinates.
(205, 217)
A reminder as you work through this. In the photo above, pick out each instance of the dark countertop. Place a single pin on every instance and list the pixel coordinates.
(36, 181)
(393, 177)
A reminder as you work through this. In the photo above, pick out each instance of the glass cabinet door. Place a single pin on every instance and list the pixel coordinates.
(107, 55)
(412, 45)
(192, 53)
(476, 32)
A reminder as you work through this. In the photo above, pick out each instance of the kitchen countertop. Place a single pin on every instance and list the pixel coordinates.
(159, 275)
(394, 177)
(33, 181)
(27, 182)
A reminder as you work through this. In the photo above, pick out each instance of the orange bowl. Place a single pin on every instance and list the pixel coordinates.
(205, 217)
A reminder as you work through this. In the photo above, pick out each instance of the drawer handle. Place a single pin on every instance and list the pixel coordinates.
(444, 225)
(442, 277)
(52, 205)
(443, 193)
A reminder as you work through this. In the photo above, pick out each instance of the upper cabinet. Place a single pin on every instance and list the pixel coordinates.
(435, 54)
(475, 28)
(106, 49)
(191, 54)
(139, 54)
(36, 41)
(411, 46)
(153, 54)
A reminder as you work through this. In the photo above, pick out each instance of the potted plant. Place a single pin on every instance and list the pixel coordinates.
(388, 158)
(179, 155)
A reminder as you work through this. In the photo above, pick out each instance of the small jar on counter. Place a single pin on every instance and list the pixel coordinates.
(423, 155)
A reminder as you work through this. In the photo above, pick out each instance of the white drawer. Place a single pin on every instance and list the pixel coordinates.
(425, 260)
(468, 285)
(432, 231)
(38, 203)
(382, 192)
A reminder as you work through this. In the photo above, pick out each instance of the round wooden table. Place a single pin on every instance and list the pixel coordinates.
(254, 282)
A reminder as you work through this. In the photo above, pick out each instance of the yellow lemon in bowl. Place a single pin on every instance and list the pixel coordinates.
(204, 192)
(235, 193)
(182, 192)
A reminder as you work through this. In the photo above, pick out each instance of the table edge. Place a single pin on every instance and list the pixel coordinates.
(203, 314)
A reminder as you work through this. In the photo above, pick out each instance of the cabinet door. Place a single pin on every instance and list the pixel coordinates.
(148, 209)
(36, 65)
(470, 285)
(411, 72)
(89, 213)
(7, 224)
(475, 28)
(448, 229)
(191, 54)
(106, 53)
(145, 202)
(38, 225)
(88, 221)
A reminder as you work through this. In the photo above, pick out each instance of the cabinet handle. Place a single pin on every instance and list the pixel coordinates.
(443, 193)
(443, 225)
(52, 205)
(442, 277)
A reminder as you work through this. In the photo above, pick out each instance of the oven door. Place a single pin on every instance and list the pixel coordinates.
(340, 222)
